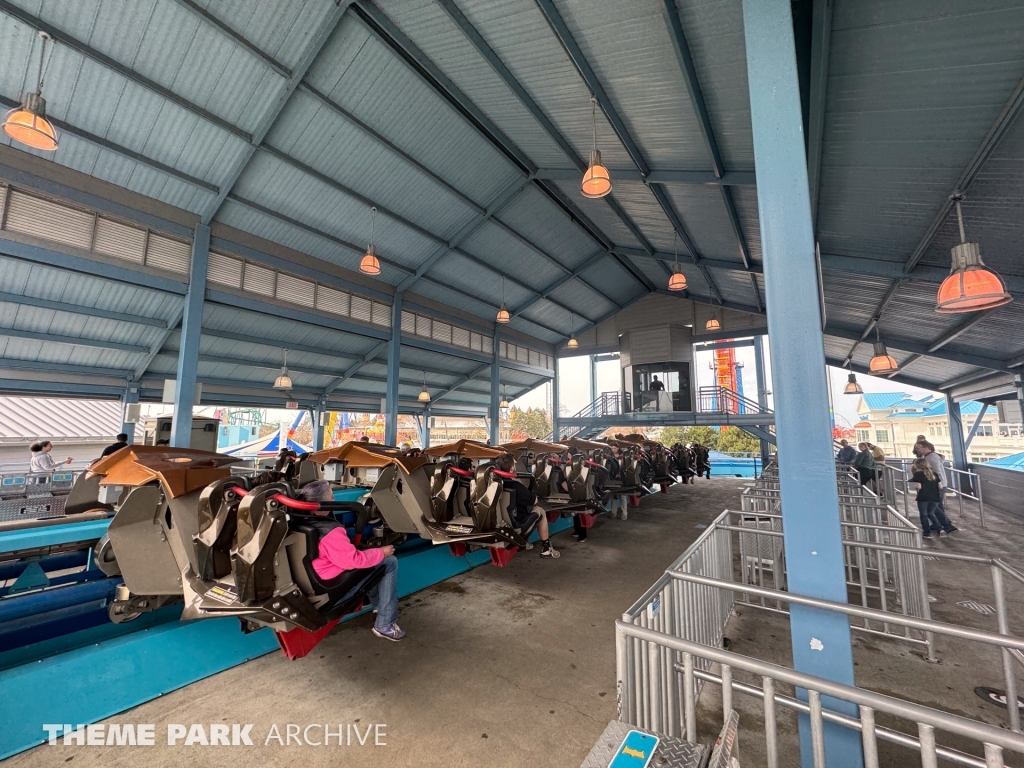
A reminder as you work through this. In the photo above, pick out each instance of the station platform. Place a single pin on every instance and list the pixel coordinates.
(509, 666)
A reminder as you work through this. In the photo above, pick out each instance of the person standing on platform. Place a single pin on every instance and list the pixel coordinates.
(929, 501)
(657, 385)
(41, 460)
(864, 463)
(122, 442)
(847, 453)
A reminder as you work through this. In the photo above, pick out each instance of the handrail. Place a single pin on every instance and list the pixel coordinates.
(922, 625)
(988, 734)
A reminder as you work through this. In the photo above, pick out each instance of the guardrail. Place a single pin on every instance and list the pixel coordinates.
(677, 667)
(963, 484)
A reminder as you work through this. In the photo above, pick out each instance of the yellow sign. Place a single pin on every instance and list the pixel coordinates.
(633, 752)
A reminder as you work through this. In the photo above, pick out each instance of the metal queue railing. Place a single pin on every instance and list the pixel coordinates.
(963, 484)
(677, 667)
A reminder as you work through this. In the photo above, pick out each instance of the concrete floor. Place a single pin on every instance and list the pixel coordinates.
(506, 666)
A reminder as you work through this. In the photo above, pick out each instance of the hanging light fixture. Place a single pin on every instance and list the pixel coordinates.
(596, 181)
(852, 385)
(284, 381)
(504, 399)
(572, 343)
(27, 124)
(882, 362)
(712, 324)
(971, 286)
(677, 280)
(503, 315)
(424, 396)
(370, 265)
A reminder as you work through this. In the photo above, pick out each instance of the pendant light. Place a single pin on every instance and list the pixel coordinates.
(971, 286)
(852, 385)
(596, 181)
(424, 396)
(572, 343)
(284, 381)
(370, 265)
(882, 362)
(503, 315)
(27, 124)
(504, 399)
(712, 324)
(677, 280)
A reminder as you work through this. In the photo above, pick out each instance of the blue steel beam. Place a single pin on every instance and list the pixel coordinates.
(87, 370)
(131, 154)
(670, 258)
(821, 44)
(191, 329)
(495, 406)
(544, 292)
(956, 432)
(977, 423)
(430, 346)
(48, 257)
(316, 43)
(157, 345)
(462, 381)
(356, 366)
(319, 416)
(129, 397)
(556, 428)
(908, 345)
(81, 309)
(821, 641)
(658, 176)
(73, 389)
(77, 341)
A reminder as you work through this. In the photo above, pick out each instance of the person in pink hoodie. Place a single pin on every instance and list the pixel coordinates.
(338, 554)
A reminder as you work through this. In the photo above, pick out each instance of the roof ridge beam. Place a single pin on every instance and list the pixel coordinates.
(81, 309)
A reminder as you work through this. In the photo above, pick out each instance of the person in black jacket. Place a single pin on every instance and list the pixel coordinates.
(929, 501)
(122, 442)
(525, 512)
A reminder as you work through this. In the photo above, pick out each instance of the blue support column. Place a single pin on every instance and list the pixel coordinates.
(820, 639)
(593, 378)
(394, 362)
(188, 349)
(425, 437)
(130, 397)
(556, 431)
(956, 433)
(762, 389)
(319, 422)
(494, 411)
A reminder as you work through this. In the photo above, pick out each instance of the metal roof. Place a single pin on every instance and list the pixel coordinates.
(467, 123)
(39, 418)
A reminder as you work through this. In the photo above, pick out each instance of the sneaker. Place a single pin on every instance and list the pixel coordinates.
(551, 553)
(623, 513)
(582, 541)
(393, 633)
(926, 535)
(529, 546)
(951, 529)
(574, 535)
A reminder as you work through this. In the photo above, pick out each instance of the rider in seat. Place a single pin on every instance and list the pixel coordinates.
(338, 554)
(525, 512)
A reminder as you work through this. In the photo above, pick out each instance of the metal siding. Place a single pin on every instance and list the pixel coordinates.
(510, 255)
(599, 212)
(317, 136)
(520, 35)
(706, 219)
(363, 76)
(628, 45)
(426, 23)
(534, 216)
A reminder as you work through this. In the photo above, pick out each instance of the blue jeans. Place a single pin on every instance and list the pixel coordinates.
(384, 596)
(933, 517)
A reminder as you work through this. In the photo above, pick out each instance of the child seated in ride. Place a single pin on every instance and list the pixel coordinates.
(338, 554)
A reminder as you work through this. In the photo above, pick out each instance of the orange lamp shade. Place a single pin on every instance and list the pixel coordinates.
(853, 387)
(503, 315)
(28, 125)
(572, 343)
(677, 282)
(712, 324)
(370, 265)
(596, 181)
(971, 290)
(971, 286)
(424, 396)
(882, 361)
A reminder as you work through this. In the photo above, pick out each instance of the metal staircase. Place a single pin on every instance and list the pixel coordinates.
(716, 406)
